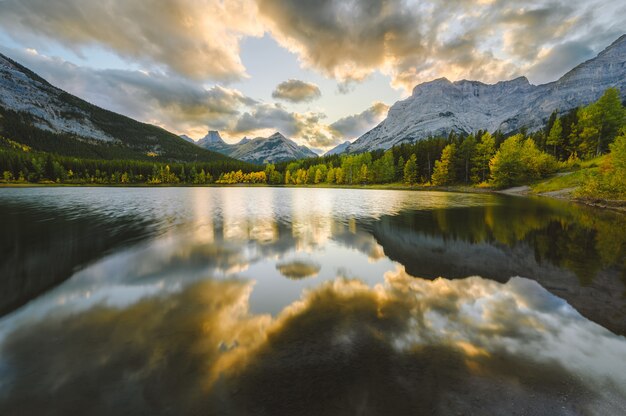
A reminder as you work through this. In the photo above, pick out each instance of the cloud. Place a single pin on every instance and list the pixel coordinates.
(184, 106)
(296, 91)
(559, 60)
(198, 39)
(355, 125)
(172, 102)
(418, 41)
(308, 127)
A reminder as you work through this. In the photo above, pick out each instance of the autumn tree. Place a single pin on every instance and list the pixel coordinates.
(444, 173)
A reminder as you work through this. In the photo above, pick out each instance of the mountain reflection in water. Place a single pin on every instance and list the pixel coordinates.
(291, 301)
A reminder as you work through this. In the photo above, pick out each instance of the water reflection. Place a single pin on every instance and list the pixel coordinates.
(306, 301)
(405, 346)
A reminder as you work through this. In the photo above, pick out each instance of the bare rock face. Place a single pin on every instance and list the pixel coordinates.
(23, 91)
(440, 106)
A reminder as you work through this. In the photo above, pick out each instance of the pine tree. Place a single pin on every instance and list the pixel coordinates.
(554, 137)
(400, 169)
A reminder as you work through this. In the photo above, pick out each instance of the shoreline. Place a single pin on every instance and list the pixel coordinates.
(523, 191)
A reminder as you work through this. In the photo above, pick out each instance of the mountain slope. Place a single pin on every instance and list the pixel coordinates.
(339, 149)
(440, 106)
(34, 112)
(261, 150)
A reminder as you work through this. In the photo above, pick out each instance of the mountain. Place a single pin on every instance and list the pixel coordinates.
(212, 137)
(244, 140)
(440, 106)
(36, 113)
(187, 138)
(339, 149)
(261, 150)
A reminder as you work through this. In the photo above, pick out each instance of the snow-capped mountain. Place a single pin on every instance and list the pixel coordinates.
(261, 150)
(27, 101)
(212, 137)
(339, 149)
(440, 106)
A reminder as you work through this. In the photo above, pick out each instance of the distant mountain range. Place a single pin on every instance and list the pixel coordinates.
(47, 118)
(261, 150)
(440, 106)
(34, 112)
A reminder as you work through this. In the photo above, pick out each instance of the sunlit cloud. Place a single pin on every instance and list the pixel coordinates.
(198, 39)
(418, 41)
(296, 91)
(183, 56)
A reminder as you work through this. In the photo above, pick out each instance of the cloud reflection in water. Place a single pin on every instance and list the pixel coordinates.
(405, 345)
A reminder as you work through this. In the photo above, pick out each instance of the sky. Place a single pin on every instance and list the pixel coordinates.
(319, 71)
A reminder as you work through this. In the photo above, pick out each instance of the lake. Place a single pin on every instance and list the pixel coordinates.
(269, 301)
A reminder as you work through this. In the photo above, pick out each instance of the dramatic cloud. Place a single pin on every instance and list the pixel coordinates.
(195, 38)
(296, 91)
(309, 127)
(306, 127)
(417, 41)
(355, 125)
(559, 60)
(171, 102)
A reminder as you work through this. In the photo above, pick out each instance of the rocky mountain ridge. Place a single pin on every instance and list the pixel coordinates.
(440, 106)
(273, 149)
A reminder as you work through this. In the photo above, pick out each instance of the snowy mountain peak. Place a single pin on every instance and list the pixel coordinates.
(438, 107)
(277, 136)
(261, 150)
(213, 136)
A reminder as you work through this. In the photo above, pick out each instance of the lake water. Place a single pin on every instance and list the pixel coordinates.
(270, 301)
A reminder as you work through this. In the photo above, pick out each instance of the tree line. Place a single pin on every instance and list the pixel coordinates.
(481, 158)
(20, 163)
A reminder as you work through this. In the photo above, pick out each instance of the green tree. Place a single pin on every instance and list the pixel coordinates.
(387, 171)
(611, 117)
(444, 173)
(555, 136)
(400, 168)
(485, 150)
(518, 161)
(465, 155)
(410, 170)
